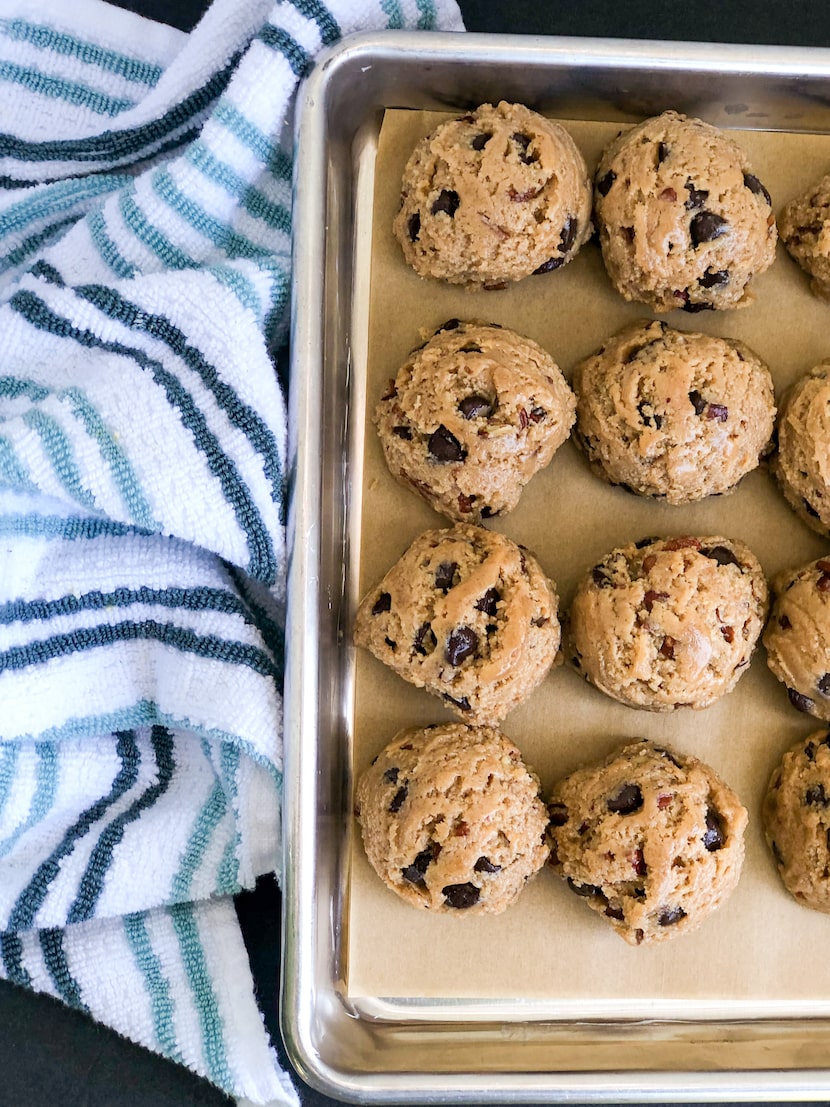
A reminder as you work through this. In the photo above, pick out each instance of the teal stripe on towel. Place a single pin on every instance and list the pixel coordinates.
(56, 88)
(30, 900)
(11, 950)
(34, 242)
(60, 528)
(244, 290)
(262, 563)
(47, 771)
(162, 1003)
(13, 473)
(58, 42)
(278, 39)
(204, 996)
(8, 767)
(427, 18)
(211, 814)
(61, 453)
(221, 234)
(394, 14)
(227, 877)
(148, 234)
(254, 139)
(57, 965)
(11, 388)
(92, 882)
(58, 197)
(219, 172)
(312, 9)
(97, 227)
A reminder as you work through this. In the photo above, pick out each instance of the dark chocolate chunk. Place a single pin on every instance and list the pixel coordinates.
(425, 640)
(697, 402)
(463, 703)
(651, 598)
(489, 601)
(549, 265)
(800, 701)
(488, 513)
(668, 755)
(713, 837)
(391, 776)
(670, 915)
(398, 799)
(614, 913)
(706, 226)
(693, 308)
(824, 685)
(586, 890)
(414, 227)
(480, 140)
(643, 543)
(485, 865)
(604, 183)
(461, 644)
(667, 648)
(815, 796)
(601, 577)
(662, 152)
(568, 236)
(537, 414)
(558, 814)
(626, 801)
(445, 575)
(447, 203)
(450, 325)
(443, 446)
(460, 895)
(416, 872)
(714, 278)
(649, 416)
(523, 142)
(638, 863)
(473, 406)
(470, 348)
(382, 603)
(403, 432)
(722, 555)
(717, 411)
(754, 185)
(697, 197)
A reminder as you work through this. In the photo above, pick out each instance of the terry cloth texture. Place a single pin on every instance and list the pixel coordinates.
(145, 232)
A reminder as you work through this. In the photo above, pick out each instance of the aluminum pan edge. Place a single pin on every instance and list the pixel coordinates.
(334, 1051)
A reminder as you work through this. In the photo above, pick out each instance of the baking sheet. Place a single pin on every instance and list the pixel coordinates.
(549, 955)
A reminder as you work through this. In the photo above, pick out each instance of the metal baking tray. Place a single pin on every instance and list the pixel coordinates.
(398, 1051)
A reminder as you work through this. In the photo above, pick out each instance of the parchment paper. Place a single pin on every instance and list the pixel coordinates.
(761, 953)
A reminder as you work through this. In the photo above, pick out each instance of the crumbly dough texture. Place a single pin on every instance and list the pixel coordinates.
(452, 820)
(673, 415)
(683, 221)
(669, 622)
(796, 817)
(801, 463)
(468, 615)
(804, 226)
(653, 841)
(797, 637)
(493, 197)
(471, 416)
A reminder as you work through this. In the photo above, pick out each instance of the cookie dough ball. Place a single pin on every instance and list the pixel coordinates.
(796, 816)
(653, 841)
(493, 197)
(471, 416)
(468, 615)
(674, 415)
(669, 622)
(804, 225)
(683, 221)
(802, 462)
(452, 820)
(797, 637)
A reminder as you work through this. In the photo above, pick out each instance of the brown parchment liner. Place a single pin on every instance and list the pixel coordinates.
(753, 957)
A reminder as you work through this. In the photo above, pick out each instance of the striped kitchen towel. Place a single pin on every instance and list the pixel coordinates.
(145, 232)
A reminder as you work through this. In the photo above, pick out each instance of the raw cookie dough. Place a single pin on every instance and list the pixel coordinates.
(452, 820)
(471, 416)
(668, 622)
(801, 463)
(804, 226)
(493, 197)
(797, 637)
(468, 615)
(674, 415)
(652, 840)
(796, 816)
(683, 222)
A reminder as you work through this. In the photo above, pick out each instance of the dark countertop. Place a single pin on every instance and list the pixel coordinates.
(50, 1054)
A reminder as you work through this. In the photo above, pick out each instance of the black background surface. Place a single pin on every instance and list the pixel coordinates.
(52, 1055)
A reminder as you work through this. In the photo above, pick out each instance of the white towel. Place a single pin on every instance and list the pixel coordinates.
(145, 223)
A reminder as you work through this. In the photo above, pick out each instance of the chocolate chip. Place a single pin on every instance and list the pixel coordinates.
(697, 402)
(450, 325)
(391, 776)
(568, 236)
(641, 545)
(651, 598)
(471, 407)
(670, 915)
(443, 446)
(445, 576)
(713, 838)
(463, 703)
(714, 278)
(461, 644)
(488, 513)
(382, 603)
(662, 152)
(670, 195)
(800, 702)
(425, 640)
(537, 414)
(523, 142)
(604, 183)
(668, 755)
(720, 412)
(667, 648)
(754, 185)
(815, 796)
(485, 865)
(728, 634)
(585, 890)
(824, 685)
(416, 872)
(403, 432)
(627, 800)
(706, 226)
(489, 601)
(693, 308)
(697, 197)
(479, 141)
(601, 577)
(649, 416)
(549, 265)
(722, 554)
(558, 814)
(414, 227)
(398, 799)
(460, 895)
(447, 203)
(614, 913)
(638, 863)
